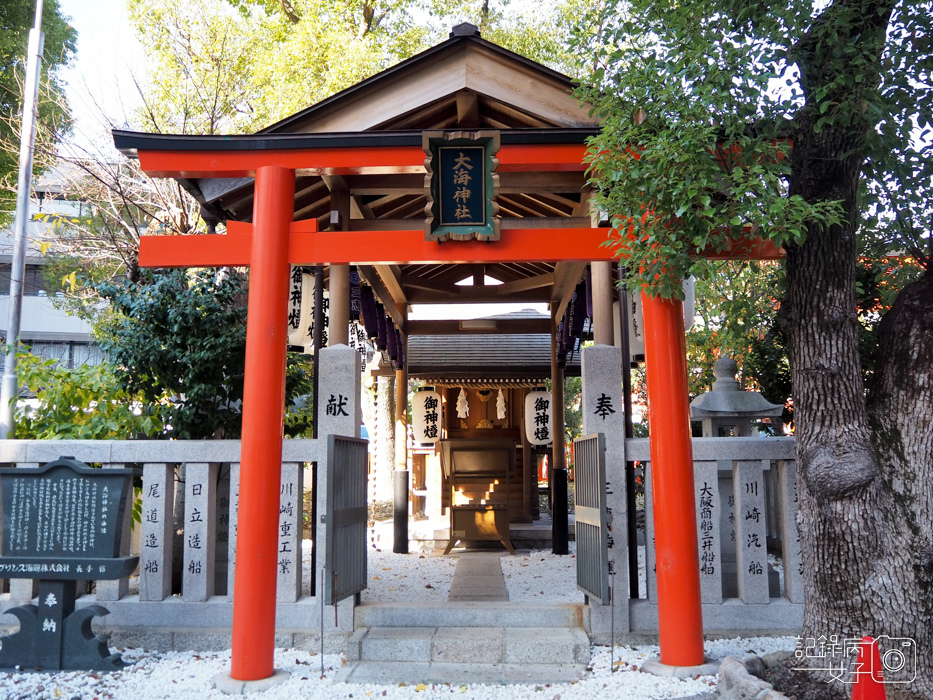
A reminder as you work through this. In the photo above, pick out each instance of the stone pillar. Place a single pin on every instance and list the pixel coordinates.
(750, 532)
(706, 480)
(200, 524)
(232, 527)
(155, 560)
(340, 397)
(602, 413)
(288, 582)
(790, 537)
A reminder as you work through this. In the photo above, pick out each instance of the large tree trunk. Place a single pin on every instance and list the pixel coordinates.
(863, 481)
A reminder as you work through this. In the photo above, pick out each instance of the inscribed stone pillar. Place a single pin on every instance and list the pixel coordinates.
(200, 529)
(339, 407)
(706, 481)
(232, 525)
(790, 536)
(602, 413)
(222, 533)
(288, 581)
(155, 560)
(750, 532)
(115, 589)
(651, 569)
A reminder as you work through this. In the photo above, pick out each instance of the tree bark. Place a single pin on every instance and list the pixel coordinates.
(863, 477)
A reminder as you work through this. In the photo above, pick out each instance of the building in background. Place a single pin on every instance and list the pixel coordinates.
(49, 332)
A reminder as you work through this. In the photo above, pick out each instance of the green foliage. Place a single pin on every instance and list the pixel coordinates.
(179, 339)
(720, 91)
(217, 66)
(85, 403)
(17, 17)
(573, 411)
(736, 302)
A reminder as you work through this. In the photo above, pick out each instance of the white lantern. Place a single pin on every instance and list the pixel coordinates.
(426, 416)
(539, 418)
(301, 310)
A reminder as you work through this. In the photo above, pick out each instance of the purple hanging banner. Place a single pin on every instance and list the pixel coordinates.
(355, 303)
(369, 311)
(392, 336)
(400, 348)
(578, 311)
(382, 338)
(588, 280)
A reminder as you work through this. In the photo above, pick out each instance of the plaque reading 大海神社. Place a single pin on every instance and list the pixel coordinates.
(461, 185)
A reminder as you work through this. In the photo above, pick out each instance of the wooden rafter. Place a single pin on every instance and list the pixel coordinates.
(391, 277)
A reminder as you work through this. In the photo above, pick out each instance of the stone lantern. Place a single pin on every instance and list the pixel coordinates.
(727, 411)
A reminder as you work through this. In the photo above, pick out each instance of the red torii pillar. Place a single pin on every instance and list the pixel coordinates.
(680, 614)
(265, 249)
(263, 421)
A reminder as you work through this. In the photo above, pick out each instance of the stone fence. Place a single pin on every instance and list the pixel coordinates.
(201, 538)
(742, 485)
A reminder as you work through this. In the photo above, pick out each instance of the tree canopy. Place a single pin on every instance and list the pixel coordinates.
(17, 17)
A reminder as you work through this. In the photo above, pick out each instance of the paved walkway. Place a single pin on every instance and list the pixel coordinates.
(478, 577)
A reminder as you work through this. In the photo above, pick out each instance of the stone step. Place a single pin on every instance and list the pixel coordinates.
(386, 672)
(469, 614)
(471, 645)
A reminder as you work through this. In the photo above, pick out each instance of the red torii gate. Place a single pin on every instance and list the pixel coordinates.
(274, 241)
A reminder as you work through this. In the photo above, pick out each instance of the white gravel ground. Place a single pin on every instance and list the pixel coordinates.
(180, 676)
(536, 576)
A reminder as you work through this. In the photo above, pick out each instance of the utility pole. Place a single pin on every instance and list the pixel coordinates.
(9, 390)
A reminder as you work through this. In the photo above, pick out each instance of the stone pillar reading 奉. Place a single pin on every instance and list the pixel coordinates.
(602, 413)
